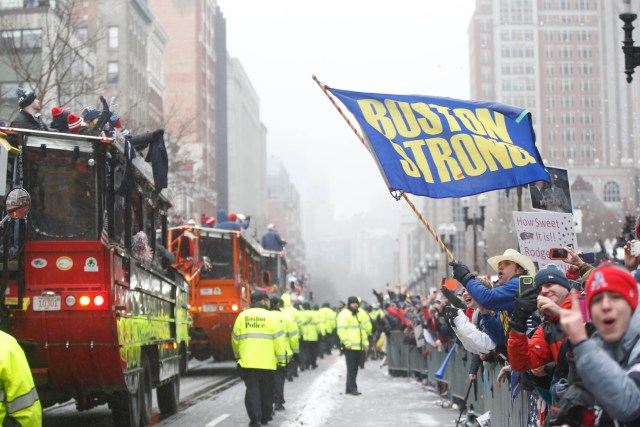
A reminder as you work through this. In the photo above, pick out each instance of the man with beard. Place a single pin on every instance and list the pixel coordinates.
(353, 337)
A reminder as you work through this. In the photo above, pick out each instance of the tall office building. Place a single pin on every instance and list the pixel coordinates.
(561, 60)
(190, 96)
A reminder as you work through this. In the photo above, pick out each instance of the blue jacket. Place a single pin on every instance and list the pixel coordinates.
(493, 328)
(272, 241)
(223, 223)
(497, 299)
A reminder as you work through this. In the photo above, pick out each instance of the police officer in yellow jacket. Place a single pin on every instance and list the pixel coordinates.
(19, 402)
(258, 343)
(311, 331)
(353, 337)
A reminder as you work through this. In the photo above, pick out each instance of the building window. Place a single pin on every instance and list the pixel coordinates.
(81, 33)
(566, 68)
(112, 72)
(456, 207)
(588, 135)
(565, 52)
(21, 39)
(611, 192)
(564, 36)
(112, 39)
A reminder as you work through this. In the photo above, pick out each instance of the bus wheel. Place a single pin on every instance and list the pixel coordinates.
(146, 391)
(169, 396)
(125, 407)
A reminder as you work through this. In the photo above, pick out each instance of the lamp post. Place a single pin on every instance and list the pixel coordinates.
(476, 222)
(431, 266)
(447, 230)
(631, 52)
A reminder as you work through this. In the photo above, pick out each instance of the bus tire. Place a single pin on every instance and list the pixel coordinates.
(169, 396)
(125, 408)
(146, 395)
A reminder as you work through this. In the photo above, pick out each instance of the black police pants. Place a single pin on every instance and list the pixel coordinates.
(353, 362)
(312, 348)
(258, 398)
(278, 389)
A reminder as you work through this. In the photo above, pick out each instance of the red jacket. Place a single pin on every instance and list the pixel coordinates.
(543, 347)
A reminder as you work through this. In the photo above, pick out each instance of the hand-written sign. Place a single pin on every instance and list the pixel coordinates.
(539, 231)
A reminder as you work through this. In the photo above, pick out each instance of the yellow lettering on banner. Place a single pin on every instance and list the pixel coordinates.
(408, 166)
(461, 141)
(520, 157)
(496, 129)
(447, 166)
(416, 149)
(491, 150)
(451, 121)
(429, 122)
(374, 113)
(469, 120)
(403, 118)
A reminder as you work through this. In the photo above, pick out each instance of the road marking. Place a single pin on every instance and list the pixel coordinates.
(218, 420)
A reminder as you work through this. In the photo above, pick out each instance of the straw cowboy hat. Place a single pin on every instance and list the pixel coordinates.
(515, 256)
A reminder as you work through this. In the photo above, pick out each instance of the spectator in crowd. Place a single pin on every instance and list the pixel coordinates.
(29, 116)
(549, 295)
(59, 121)
(272, 241)
(609, 362)
(509, 266)
(95, 120)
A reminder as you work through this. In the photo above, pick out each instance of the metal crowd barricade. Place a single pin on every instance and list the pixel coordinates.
(490, 396)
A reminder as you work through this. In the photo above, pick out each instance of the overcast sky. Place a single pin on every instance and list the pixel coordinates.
(398, 47)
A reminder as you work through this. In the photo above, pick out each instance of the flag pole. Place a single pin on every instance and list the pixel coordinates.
(404, 195)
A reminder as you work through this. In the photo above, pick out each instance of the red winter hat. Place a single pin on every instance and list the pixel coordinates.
(56, 111)
(74, 123)
(232, 217)
(612, 279)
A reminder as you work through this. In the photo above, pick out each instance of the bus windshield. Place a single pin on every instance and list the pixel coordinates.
(61, 177)
(219, 252)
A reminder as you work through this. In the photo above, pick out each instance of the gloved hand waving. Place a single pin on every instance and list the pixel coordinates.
(524, 305)
(461, 272)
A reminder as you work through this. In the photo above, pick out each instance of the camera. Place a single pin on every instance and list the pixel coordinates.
(524, 283)
(558, 253)
(635, 248)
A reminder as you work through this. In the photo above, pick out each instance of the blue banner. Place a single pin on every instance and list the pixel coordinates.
(443, 147)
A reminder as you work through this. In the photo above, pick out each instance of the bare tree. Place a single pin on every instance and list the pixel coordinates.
(49, 49)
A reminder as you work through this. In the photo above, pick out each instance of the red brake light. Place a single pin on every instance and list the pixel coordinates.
(234, 307)
(98, 300)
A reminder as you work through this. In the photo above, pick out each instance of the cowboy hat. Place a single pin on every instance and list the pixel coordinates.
(515, 256)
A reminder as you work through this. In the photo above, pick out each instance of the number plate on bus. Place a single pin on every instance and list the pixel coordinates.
(53, 303)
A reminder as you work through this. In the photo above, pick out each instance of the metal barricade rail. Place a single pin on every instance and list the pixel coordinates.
(490, 396)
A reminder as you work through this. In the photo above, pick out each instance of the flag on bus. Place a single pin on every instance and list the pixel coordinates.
(104, 235)
(444, 147)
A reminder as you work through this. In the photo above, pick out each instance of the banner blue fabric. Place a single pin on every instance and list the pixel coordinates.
(443, 147)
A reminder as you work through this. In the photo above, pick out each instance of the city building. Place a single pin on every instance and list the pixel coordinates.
(246, 151)
(190, 99)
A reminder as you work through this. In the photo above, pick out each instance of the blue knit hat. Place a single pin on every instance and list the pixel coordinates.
(551, 274)
(89, 113)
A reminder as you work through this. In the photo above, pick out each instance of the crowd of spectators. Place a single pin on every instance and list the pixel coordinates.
(569, 338)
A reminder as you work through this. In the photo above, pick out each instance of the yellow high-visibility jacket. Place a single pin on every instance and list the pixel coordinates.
(366, 320)
(311, 327)
(258, 339)
(290, 327)
(351, 330)
(18, 396)
(329, 319)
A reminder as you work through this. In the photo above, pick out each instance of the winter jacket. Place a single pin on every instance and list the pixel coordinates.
(24, 120)
(351, 331)
(611, 372)
(272, 241)
(258, 340)
(60, 123)
(543, 347)
(99, 126)
(18, 396)
(470, 335)
(496, 299)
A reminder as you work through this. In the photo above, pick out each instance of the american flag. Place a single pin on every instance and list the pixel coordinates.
(104, 235)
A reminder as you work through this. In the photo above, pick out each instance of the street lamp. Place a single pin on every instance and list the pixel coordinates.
(432, 265)
(447, 230)
(475, 222)
(631, 52)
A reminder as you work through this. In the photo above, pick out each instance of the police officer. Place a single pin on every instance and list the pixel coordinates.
(288, 327)
(258, 343)
(19, 402)
(353, 337)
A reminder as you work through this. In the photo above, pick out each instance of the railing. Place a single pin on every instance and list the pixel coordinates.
(490, 396)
